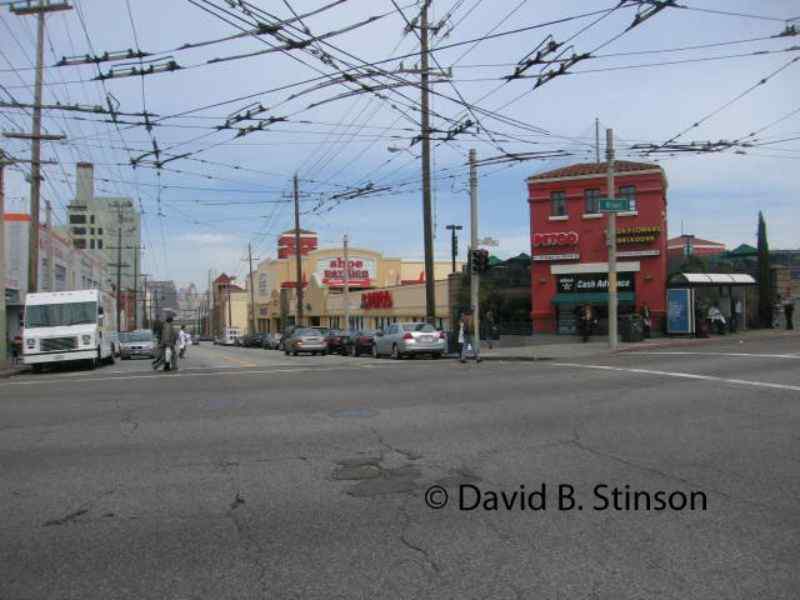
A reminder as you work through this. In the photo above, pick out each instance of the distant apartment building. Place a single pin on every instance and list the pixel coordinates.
(162, 297)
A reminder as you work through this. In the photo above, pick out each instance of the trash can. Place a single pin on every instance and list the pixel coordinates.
(631, 328)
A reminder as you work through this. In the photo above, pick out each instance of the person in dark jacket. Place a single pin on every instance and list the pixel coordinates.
(788, 311)
(167, 339)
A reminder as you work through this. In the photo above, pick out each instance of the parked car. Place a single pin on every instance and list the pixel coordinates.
(205, 338)
(336, 341)
(407, 339)
(360, 342)
(271, 341)
(195, 339)
(305, 339)
(255, 340)
(137, 343)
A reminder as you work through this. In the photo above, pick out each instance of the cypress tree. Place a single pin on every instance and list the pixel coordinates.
(765, 299)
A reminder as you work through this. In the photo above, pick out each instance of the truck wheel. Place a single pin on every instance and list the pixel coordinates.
(110, 359)
(36, 369)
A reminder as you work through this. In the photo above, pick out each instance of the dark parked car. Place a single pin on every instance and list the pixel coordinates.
(255, 340)
(336, 341)
(360, 342)
(272, 341)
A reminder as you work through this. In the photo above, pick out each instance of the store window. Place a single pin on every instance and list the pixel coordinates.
(592, 201)
(629, 192)
(77, 219)
(558, 204)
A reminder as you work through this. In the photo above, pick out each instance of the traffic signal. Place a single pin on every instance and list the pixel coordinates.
(479, 260)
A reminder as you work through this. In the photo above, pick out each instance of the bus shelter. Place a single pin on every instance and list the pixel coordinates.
(690, 295)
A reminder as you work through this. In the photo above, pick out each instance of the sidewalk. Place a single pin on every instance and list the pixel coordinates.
(10, 371)
(548, 347)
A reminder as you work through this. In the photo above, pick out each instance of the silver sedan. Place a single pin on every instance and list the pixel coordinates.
(305, 340)
(406, 339)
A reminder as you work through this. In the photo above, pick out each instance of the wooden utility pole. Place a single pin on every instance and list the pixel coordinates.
(119, 270)
(297, 255)
(430, 294)
(36, 137)
(145, 319)
(3, 332)
(474, 278)
(50, 277)
(346, 284)
(252, 291)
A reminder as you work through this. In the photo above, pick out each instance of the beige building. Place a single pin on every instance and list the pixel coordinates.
(323, 273)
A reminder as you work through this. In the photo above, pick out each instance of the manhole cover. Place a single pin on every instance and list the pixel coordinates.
(355, 412)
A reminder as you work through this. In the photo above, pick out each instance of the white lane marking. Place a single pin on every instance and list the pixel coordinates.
(776, 386)
(734, 354)
(172, 375)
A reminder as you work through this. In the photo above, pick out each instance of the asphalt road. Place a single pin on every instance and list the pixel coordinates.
(248, 474)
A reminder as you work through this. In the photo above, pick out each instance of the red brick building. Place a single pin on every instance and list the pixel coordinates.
(687, 245)
(569, 250)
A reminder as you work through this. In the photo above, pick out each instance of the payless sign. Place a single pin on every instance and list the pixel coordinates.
(594, 282)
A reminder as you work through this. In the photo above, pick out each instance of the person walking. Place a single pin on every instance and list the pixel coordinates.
(647, 322)
(586, 321)
(184, 339)
(788, 311)
(168, 339)
(467, 334)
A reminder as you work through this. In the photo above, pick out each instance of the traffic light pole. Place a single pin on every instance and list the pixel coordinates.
(474, 278)
(454, 243)
(612, 247)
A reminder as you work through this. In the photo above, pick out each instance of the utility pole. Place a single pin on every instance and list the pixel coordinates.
(454, 243)
(252, 291)
(3, 332)
(597, 140)
(230, 317)
(145, 320)
(298, 263)
(474, 278)
(430, 290)
(209, 313)
(50, 281)
(346, 284)
(119, 270)
(36, 137)
(612, 247)
(136, 289)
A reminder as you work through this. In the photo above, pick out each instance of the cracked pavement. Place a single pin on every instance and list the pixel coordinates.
(307, 478)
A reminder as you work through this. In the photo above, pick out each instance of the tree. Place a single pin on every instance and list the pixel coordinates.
(765, 299)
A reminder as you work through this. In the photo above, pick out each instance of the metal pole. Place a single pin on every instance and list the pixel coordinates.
(597, 141)
(346, 285)
(430, 294)
(3, 331)
(49, 282)
(453, 247)
(298, 260)
(119, 268)
(145, 320)
(36, 156)
(612, 246)
(474, 285)
(252, 291)
(136, 288)
(230, 317)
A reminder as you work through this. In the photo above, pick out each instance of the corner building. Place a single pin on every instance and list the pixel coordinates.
(569, 243)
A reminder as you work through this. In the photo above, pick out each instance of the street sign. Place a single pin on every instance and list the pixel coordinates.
(614, 205)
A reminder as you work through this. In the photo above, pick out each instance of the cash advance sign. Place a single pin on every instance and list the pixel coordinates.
(331, 271)
(593, 282)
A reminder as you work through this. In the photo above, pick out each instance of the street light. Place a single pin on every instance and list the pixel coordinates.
(395, 150)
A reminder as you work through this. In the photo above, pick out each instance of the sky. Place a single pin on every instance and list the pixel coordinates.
(699, 62)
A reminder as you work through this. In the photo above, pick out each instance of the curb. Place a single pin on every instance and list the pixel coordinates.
(6, 373)
(688, 342)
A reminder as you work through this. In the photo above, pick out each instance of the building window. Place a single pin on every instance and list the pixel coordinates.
(91, 230)
(79, 230)
(99, 244)
(80, 244)
(592, 199)
(91, 244)
(99, 231)
(558, 204)
(77, 219)
(91, 219)
(629, 192)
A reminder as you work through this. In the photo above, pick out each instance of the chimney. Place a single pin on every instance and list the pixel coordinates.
(84, 188)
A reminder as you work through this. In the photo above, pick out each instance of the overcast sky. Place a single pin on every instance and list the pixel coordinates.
(202, 215)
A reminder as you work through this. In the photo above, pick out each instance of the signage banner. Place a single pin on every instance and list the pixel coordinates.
(561, 238)
(331, 271)
(376, 300)
(548, 257)
(593, 282)
(680, 311)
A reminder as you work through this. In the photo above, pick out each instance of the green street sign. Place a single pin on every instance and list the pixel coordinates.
(614, 205)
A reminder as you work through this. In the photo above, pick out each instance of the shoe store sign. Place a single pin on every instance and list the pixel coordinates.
(331, 271)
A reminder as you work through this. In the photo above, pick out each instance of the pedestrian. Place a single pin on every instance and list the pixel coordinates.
(739, 311)
(467, 334)
(716, 318)
(168, 339)
(184, 339)
(586, 321)
(647, 322)
(788, 311)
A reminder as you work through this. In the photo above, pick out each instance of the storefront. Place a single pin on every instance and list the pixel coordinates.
(570, 250)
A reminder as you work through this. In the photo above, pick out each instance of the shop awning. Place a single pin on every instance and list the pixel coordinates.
(593, 298)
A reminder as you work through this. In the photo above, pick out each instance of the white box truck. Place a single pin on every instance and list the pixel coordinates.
(77, 325)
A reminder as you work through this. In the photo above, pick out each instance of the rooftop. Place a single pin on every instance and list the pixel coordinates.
(583, 169)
